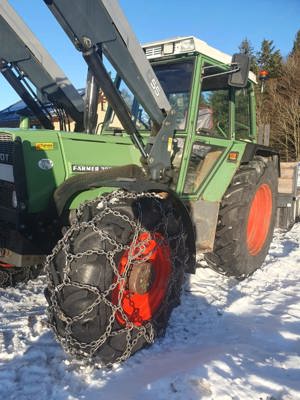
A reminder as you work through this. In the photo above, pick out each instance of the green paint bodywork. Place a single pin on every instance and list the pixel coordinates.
(68, 149)
(107, 150)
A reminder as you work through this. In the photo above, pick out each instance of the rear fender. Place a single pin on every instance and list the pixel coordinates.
(253, 149)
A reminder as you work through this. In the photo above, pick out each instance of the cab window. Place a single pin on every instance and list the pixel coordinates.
(214, 111)
(242, 114)
(176, 81)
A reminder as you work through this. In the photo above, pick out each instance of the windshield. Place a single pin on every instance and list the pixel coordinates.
(175, 79)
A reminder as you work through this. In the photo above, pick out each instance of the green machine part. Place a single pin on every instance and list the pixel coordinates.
(50, 158)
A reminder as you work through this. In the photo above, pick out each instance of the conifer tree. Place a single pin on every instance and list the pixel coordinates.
(296, 46)
(270, 59)
(279, 104)
(246, 48)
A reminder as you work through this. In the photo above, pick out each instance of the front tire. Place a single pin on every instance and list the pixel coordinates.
(116, 275)
(246, 220)
(11, 276)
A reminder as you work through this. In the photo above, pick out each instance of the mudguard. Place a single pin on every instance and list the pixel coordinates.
(131, 178)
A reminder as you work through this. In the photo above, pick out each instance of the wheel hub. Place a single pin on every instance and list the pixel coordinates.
(145, 288)
(141, 278)
(259, 219)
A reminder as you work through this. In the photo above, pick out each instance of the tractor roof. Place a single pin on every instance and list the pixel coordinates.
(187, 44)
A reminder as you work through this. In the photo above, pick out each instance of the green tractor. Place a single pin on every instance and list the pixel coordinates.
(119, 210)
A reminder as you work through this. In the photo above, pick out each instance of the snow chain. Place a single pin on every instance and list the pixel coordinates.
(105, 205)
(10, 276)
(5, 278)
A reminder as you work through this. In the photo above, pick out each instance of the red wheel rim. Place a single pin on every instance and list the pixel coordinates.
(4, 265)
(259, 219)
(140, 308)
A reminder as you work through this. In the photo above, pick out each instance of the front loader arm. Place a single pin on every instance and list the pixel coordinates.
(23, 58)
(97, 26)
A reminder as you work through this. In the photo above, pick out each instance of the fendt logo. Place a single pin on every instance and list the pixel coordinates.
(4, 157)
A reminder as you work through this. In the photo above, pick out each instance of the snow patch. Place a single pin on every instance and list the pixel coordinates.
(227, 340)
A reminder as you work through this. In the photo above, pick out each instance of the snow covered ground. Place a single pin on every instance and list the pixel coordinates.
(227, 340)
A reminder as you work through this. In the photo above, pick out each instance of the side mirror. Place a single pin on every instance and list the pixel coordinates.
(240, 70)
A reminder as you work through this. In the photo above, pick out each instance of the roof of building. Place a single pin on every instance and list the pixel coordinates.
(15, 111)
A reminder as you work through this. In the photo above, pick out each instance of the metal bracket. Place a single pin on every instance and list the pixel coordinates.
(161, 147)
(102, 77)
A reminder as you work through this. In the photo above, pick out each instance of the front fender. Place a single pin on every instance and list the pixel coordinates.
(130, 178)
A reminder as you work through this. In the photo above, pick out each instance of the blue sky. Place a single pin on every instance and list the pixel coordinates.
(221, 23)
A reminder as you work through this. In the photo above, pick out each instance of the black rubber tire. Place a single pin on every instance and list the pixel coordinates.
(231, 255)
(14, 276)
(96, 271)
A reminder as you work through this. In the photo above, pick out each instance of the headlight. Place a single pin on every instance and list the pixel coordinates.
(168, 48)
(186, 45)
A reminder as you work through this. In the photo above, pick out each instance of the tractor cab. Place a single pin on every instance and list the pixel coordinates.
(213, 98)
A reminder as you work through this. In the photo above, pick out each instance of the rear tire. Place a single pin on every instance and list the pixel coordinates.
(246, 220)
(94, 306)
